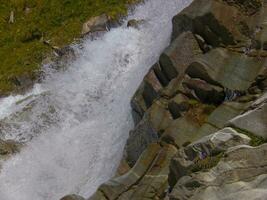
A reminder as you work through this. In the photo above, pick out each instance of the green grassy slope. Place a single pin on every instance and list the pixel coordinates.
(58, 21)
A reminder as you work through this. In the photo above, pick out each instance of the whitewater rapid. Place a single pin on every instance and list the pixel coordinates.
(79, 118)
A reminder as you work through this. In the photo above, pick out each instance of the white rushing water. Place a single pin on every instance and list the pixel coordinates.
(79, 118)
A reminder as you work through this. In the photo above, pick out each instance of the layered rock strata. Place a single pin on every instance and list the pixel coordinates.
(200, 112)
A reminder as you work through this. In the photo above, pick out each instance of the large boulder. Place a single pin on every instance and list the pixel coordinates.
(182, 130)
(205, 92)
(176, 58)
(214, 20)
(225, 112)
(156, 119)
(228, 69)
(147, 92)
(147, 179)
(253, 121)
(240, 174)
(172, 62)
(117, 186)
(186, 159)
(154, 183)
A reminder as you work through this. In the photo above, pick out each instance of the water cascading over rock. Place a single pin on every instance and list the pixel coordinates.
(200, 112)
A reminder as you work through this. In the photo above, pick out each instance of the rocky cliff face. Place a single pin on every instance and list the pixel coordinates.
(201, 110)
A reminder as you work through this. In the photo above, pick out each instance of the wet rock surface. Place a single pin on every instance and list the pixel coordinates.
(200, 112)
(135, 23)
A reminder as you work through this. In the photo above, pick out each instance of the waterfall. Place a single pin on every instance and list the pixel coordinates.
(80, 116)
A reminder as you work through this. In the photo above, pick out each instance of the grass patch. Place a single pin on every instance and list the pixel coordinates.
(57, 21)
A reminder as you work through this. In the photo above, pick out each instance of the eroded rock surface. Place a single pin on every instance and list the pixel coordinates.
(188, 159)
(241, 174)
(200, 112)
(253, 121)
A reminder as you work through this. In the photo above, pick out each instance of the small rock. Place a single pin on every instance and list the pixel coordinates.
(135, 23)
(176, 58)
(95, 24)
(178, 105)
(67, 52)
(27, 10)
(202, 43)
(11, 17)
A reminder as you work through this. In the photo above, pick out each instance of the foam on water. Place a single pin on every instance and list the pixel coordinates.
(9, 104)
(81, 146)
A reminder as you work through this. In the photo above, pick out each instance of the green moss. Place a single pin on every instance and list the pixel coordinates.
(255, 140)
(207, 163)
(60, 22)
